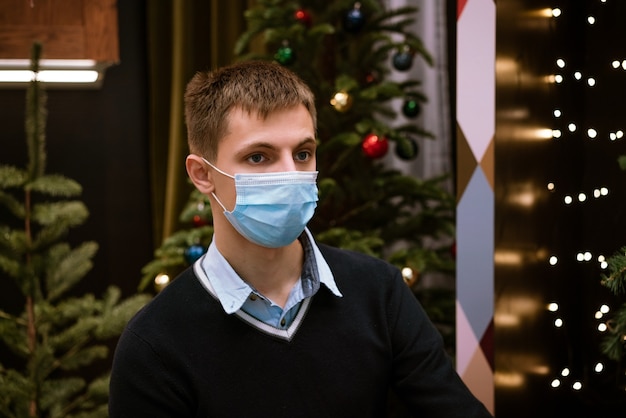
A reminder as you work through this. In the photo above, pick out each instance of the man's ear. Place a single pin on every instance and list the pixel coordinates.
(199, 174)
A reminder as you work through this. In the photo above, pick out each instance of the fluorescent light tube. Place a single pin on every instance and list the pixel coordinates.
(49, 76)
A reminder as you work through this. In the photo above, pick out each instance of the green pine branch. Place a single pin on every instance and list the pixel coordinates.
(613, 344)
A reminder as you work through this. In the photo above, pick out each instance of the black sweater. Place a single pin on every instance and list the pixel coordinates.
(183, 356)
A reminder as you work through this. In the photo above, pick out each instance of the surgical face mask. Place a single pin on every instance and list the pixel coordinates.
(272, 209)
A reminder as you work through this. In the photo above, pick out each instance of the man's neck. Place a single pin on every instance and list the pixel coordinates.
(271, 271)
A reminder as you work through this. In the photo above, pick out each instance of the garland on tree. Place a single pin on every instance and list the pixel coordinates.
(55, 336)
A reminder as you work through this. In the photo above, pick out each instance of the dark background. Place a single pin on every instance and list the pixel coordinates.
(99, 138)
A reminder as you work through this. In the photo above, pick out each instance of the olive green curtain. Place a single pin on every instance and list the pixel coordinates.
(184, 36)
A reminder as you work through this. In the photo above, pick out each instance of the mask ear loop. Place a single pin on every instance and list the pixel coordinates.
(217, 169)
(218, 201)
(223, 173)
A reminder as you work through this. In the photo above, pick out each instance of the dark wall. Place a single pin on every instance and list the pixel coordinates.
(100, 139)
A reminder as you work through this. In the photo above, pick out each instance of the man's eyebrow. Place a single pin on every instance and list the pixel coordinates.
(308, 140)
(269, 145)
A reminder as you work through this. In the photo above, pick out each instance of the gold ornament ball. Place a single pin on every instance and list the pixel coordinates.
(341, 101)
(160, 281)
(409, 276)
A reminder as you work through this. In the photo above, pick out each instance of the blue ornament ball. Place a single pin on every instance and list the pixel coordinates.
(193, 253)
(354, 20)
(402, 60)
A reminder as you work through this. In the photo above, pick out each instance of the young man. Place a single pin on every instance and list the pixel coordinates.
(268, 323)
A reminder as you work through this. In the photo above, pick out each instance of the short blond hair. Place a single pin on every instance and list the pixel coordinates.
(257, 87)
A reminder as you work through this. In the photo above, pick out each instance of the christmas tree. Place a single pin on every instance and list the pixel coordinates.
(56, 336)
(346, 52)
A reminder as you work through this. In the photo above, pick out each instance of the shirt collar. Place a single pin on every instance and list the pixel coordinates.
(232, 291)
(324, 273)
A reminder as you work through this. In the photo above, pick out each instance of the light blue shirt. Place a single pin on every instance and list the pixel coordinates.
(234, 293)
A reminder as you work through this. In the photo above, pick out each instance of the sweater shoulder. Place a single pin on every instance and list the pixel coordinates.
(177, 302)
(347, 265)
(334, 254)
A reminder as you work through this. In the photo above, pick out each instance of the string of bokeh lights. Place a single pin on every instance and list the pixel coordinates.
(563, 75)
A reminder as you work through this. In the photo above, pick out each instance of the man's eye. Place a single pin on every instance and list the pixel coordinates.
(303, 155)
(256, 158)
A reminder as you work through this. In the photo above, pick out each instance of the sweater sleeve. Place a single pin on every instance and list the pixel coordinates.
(423, 375)
(141, 385)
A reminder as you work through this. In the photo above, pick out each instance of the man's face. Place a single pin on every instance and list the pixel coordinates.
(284, 141)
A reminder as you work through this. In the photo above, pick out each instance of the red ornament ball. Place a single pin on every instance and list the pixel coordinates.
(375, 146)
(303, 17)
(371, 78)
(199, 221)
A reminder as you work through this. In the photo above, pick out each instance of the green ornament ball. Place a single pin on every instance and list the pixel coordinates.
(285, 55)
(411, 108)
(407, 149)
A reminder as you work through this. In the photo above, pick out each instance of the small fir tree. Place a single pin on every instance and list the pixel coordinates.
(56, 336)
(613, 343)
(346, 51)
(614, 340)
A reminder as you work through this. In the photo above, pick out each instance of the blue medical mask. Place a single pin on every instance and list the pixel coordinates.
(272, 209)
